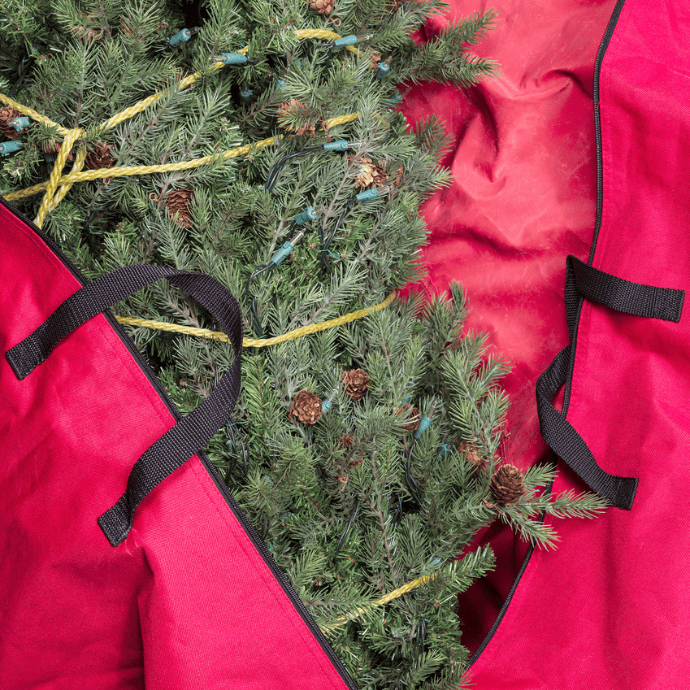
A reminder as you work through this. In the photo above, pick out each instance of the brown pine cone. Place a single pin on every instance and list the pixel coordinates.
(469, 450)
(412, 414)
(100, 157)
(346, 442)
(370, 174)
(7, 114)
(356, 383)
(295, 108)
(507, 485)
(306, 407)
(177, 202)
(321, 6)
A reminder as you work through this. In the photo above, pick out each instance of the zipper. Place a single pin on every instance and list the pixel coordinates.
(248, 528)
(606, 39)
(277, 572)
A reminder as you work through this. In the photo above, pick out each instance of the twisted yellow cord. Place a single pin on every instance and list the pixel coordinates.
(146, 102)
(54, 180)
(131, 170)
(253, 342)
(361, 610)
(58, 185)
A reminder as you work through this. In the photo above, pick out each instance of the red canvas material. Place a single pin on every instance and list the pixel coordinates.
(607, 609)
(523, 197)
(187, 600)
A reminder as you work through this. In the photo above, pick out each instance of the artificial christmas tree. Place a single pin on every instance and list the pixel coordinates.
(273, 159)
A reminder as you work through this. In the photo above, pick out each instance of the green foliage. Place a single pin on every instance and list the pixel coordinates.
(356, 506)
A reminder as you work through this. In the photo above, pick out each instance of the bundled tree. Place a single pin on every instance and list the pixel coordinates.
(366, 455)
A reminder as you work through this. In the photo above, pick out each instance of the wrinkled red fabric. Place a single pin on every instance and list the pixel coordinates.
(523, 194)
(523, 197)
(607, 609)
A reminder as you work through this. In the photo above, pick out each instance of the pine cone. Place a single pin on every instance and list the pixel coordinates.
(321, 6)
(100, 157)
(346, 442)
(306, 407)
(469, 450)
(295, 107)
(370, 174)
(413, 417)
(507, 485)
(7, 114)
(356, 383)
(177, 202)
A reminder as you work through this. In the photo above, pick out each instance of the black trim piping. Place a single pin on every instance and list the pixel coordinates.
(603, 46)
(213, 472)
(606, 39)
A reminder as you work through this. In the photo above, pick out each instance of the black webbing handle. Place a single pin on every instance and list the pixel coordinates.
(191, 433)
(570, 446)
(624, 296)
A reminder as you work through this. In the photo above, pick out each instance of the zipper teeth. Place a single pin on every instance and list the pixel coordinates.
(610, 28)
(237, 511)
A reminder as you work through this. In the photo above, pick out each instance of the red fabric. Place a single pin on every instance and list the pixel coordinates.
(523, 197)
(186, 601)
(607, 610)
(524, 185)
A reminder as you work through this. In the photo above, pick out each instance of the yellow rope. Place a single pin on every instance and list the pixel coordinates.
(32, 113)
(253, 342)
(146, 102)
(361, 610)
(54, 180)
(131, 170)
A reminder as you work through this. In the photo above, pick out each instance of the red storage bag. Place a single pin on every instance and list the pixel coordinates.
(608, 609)
(107, 580)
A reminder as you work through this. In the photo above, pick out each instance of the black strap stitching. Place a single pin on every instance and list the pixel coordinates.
(624, 296)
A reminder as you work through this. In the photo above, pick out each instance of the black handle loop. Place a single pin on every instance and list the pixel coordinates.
(624, 296)
(585, 281)
(570, 446)
(191, 433)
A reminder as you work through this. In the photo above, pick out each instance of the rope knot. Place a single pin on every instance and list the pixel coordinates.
(53, 196)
